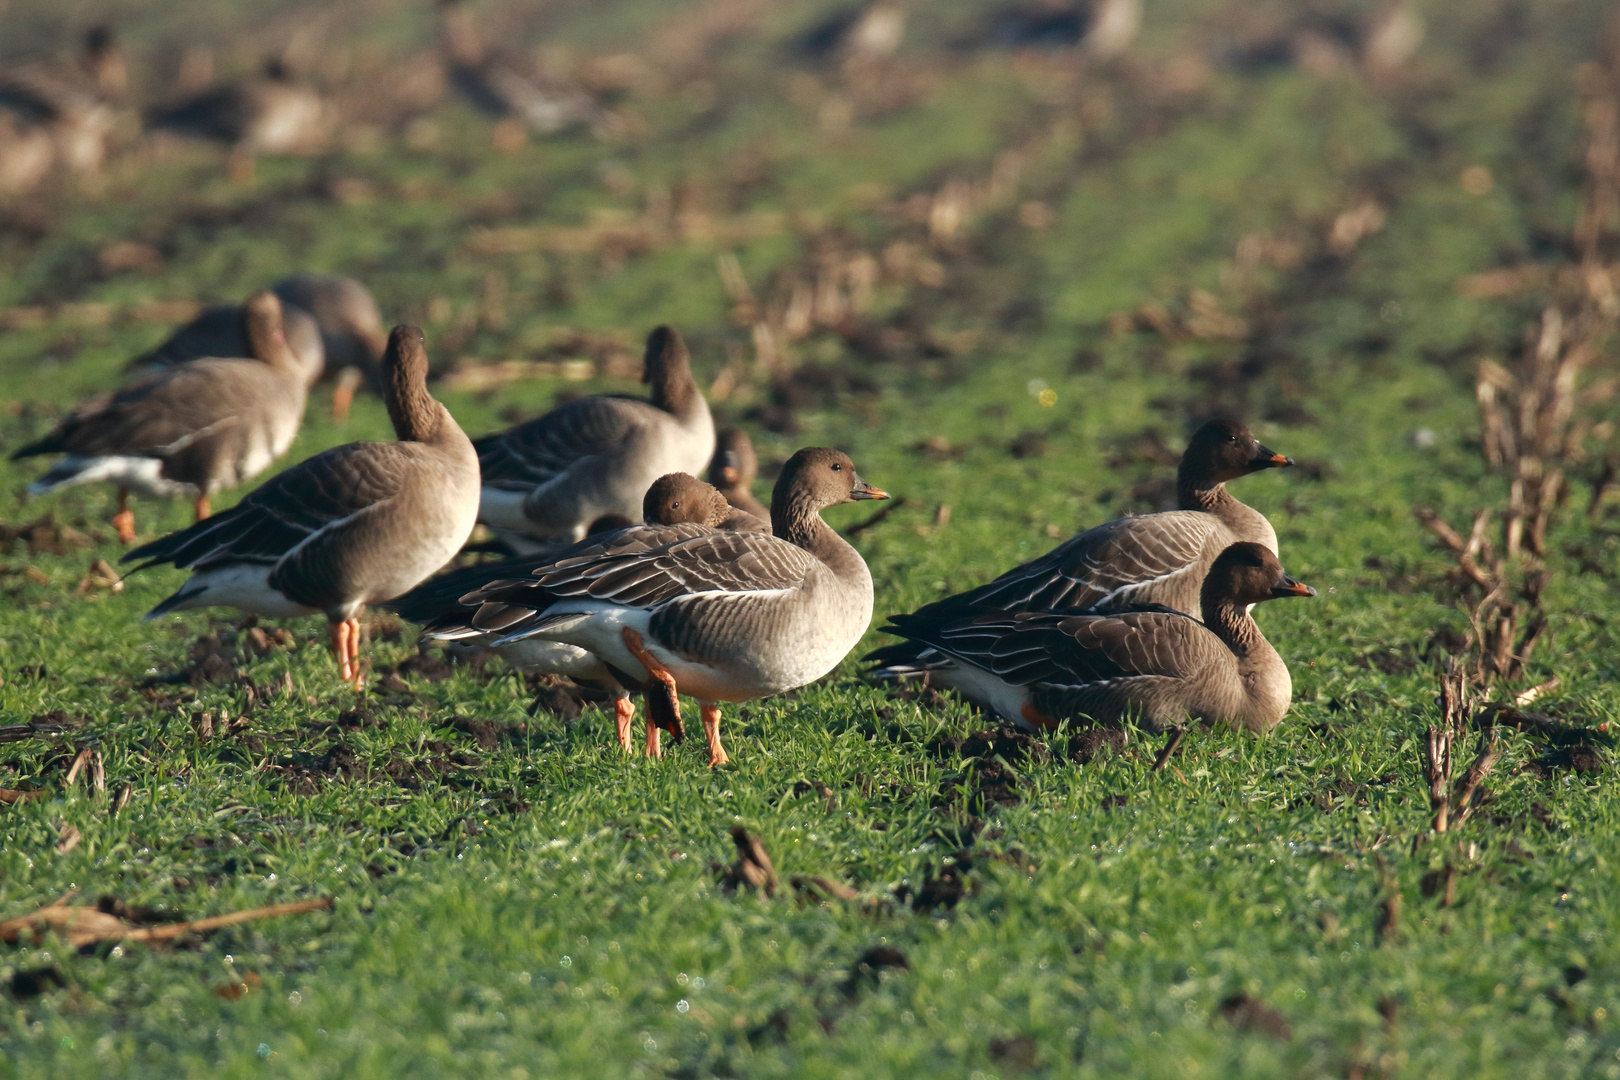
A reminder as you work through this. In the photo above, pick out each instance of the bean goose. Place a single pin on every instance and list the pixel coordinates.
(719, 616)
(58, 114)
(597, 455)
(676, 499)
(191, 429)
(273, 113)
(496, 84)
(1152, 665)
(1138, 559)
(331, 322)
(733, 470)
(358, 524)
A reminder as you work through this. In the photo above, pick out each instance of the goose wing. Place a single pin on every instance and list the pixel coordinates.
(322, 496)
(542, 449)
(1071, 651)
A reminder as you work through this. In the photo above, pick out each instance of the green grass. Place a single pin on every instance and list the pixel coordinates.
(544, 906)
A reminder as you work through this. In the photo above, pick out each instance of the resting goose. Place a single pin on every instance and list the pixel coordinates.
(676, 499)
(59, 113)
(552, 476)
(733, 470)
(495, 84)
(273, 113)
(358, 524)
(331, 322)
(719, 616)
(1134, 560)
(191, 429)
(1152, 665)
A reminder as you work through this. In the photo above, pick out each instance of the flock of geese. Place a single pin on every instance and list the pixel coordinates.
(712, 596)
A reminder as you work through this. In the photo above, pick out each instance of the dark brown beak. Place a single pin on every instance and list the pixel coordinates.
(1290, 587)
(1270, 459)
(863, 490)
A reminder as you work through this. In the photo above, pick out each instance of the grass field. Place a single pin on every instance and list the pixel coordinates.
(1042, 273)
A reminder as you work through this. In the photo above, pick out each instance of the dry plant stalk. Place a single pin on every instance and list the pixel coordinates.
(1453, 801)
(80, 926)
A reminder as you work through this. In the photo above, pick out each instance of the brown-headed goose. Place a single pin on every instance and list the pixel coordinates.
(496, 84)
(191, 429)
(719, 616)
(552, 476)
(358, 524)
(331, 322)
(1155, 666)
(673, 500)
(1134, 560)
(733, 470)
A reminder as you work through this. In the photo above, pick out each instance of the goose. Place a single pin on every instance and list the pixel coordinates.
(436, 604)
(1153, 665)
(494, 84)
(330, 321)
(358, 524)
(596, 455)
(1137, 559)
(733, 470)
(273, 113)
(58, 113)
(190, 429)
(719, 616)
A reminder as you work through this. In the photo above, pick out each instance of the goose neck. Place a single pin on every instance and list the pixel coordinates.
(1230, 621)
(416, 416)
(1195, 492)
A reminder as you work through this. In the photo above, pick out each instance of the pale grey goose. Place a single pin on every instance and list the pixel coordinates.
(676, 499)
(331, 322)
(733, 470)
(191, 429)
(1138, 559)
(1155, 666)
(552, 476)
(719, 616)
(358, 524)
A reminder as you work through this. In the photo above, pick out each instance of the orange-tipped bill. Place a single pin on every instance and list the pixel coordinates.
(863, 490)
(1290, 587)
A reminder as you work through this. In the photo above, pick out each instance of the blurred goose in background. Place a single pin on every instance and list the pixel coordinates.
(331, 322)
(1154, 666)
(865, 33)
(499, 85)
(554, 475)
(1130, 561)
(733, 470)
(719, 616)
(191, 429)
(1102, 28)
(272, 113)
(436, 604)
(57, 114)
(358, 524)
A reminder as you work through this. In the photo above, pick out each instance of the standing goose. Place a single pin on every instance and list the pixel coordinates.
(1134, 560)
(673, 500)
(552, 476)
(495, 84)
(191, 429)
(733, 470)
(273, 113)
(1155, 666)
(719, 616)
(331, 322)
(358, 524)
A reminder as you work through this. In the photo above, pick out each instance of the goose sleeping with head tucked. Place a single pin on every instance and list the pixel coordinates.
(358, 524)
(552, 476)
(674, 500)
(189, 429)
(719, 616)
(1152, 665)
(1134, 560)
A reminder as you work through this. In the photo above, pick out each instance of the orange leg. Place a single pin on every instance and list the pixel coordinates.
(200, 507)
(124, 520)
(653, 748)
(340, 648)
(711, 730)
(354, 653)
(343, 393)
(624, 711)
(670, 718)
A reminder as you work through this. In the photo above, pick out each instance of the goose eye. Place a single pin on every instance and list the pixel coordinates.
(837, 467)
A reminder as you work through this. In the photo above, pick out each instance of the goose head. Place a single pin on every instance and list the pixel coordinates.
(667, 368)
(735, 464)
(1247, 573)
(677, 498)
(815, 478)
(1224, 450)
(262, 328)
